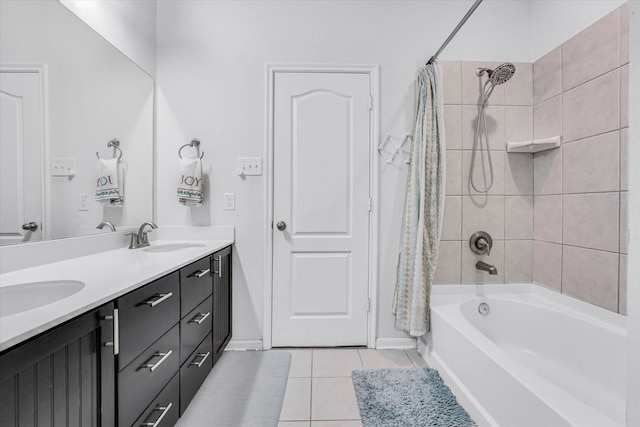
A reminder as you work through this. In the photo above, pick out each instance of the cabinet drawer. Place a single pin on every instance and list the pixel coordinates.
(141, 381)
(163, 411)
(195, 284)
(194, 327)
(194, 371)
(146, 314)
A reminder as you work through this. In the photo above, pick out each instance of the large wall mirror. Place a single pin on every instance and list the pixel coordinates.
(65, 93)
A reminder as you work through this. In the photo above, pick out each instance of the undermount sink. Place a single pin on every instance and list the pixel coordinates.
(27, 296)
(172, 247)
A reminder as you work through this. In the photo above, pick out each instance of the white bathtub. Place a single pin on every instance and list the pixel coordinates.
(538, 358)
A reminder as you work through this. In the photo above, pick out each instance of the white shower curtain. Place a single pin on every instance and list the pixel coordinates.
(424, 206)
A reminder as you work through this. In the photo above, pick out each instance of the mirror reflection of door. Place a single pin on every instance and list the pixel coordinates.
(21, 145)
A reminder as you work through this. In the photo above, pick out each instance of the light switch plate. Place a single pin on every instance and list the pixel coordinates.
(63, 167)
(249, 166)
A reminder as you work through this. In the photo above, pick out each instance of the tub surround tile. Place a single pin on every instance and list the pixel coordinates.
(548, 218)
(547, 76)
(453, 183)
(591, 276)
(592, 52)
(592, 108)
(484, 213)
(547, 118)
(518, 123)
(452, 222)
(470, 274)
(518, 261)
(622, 285)
(495, 126)
(547, 172)
(625, 13)
(591, 164)
(334, 399)
(624, 160)
(449, 260)
(451, 82)
(591, 221)
(472, 85)
(519, 89)
(481, 172)
(547, 264)
(624, 96)
(624, 222)
(453, 126)
(518, 174)
(518, 217)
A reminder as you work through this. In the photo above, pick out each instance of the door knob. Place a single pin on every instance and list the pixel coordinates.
(30, 226)
(281, 225)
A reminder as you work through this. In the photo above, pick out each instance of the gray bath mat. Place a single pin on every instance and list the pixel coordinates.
(245, 388)
(407, 397)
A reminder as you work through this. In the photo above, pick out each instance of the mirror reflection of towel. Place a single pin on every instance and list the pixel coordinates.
(107, 189)
(190, 184)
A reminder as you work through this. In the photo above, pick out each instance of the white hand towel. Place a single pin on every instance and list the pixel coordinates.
(191, 185)
(107, 190)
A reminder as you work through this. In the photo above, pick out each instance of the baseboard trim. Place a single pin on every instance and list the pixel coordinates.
(395, 343)
(244, 345)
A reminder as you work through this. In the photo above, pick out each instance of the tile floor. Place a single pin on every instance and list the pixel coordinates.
(319, 390)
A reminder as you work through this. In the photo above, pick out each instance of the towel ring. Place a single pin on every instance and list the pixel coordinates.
(195, 142)
(116, 146)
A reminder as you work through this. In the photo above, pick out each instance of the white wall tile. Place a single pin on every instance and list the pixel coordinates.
(472, 85)
(453, 184)
(518, 261)
(451, 82)
(591, 276)
(483, 213)
(495, 127)
(452, 222)
(453, 126)
(547, 222)
(547, 172)
(591, 220)
(519, 89)
(625, 11)
(518, 174)
(547, 118)
(449, 261)
(518, 217)
(482, 172)
(624, 96)
(470, 274)
(624, 222)
(591, 164)
(591, 108)
(622, 285)
(624, 160)
(547, 264)
(518, 123)
(547, 76)
(592, 52)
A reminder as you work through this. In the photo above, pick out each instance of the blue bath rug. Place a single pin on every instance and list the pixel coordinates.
(407, 397)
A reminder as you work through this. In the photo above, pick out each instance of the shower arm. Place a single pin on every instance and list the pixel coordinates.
(455, 31)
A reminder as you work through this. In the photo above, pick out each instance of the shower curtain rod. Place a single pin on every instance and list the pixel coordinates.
(455, 31)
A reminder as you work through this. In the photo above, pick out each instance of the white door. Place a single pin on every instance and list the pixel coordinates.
(21, 136)
(321, 195)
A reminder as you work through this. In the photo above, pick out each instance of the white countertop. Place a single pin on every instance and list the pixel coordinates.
(107, 275)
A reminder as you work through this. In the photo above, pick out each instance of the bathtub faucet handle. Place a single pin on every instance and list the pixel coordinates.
(481, 243)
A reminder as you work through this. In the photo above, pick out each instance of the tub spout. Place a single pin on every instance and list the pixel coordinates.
(486, 267)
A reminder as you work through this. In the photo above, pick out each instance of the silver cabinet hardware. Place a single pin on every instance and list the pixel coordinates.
(200, 273)
(201, 319)
(153, 366)
(164, 409)
(204, 357)
(219, 265)
(30, 226)
(158, 299)
(281, 225)
(116, 333)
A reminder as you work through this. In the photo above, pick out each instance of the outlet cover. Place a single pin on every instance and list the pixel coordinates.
(83, 202)
(229, 201)
(249, 166)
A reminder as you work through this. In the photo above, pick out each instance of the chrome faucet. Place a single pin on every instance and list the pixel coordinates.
(106, 223)
(491, 269)
(140, 239)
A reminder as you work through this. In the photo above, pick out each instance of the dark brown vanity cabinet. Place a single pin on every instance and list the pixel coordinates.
(64, 376)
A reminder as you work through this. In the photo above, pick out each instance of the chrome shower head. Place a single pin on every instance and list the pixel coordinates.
(498, 75)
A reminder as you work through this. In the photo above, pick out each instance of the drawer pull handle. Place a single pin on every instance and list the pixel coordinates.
(200, 273)
(201, 319)
(116, 332)
(164, 410)
(153, 366)
(219, 272)
(158, 299)
(204, 357)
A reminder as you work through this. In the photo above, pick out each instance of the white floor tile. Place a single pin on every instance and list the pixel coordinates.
(341, 423)
(382, 359)
(335, 362)
(297, 400)
(294, 424)
(416, 358)
(300, 362)
(333, 399)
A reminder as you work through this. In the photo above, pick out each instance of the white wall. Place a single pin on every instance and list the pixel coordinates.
(554, 22)
(211, 79)
(129, 25)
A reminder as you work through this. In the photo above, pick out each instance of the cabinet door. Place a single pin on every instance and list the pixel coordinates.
(66, 376)
(221, 301)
